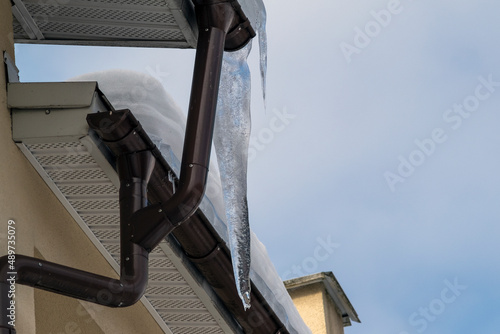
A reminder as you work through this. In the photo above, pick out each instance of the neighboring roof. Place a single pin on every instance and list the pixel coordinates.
(333, 289)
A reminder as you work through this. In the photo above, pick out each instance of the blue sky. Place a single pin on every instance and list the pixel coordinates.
(319, 177)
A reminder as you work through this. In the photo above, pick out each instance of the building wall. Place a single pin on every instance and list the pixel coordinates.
(333, 318)
(11, 191)
(46, 230)
(317, 309)
(309, 302)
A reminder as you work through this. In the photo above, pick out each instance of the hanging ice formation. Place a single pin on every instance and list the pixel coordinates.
(231, 139)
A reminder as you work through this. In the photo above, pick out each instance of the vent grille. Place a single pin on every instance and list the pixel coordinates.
(107, 233)
(92, 195)
(89, 14)
(109, 22)
(178, 304)
(94, 189)
(152, 3)
(61, 160)
(100, 220)
(56, 30)
(168, 291)
(95, 205)
(62, 175)
(49, 147)
(196, 330)
(166, 277)
(189, 317)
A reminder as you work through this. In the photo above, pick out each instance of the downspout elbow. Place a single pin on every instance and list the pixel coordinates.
(153, 223)
(215, 13)
(135, 287)
(77, 283)
(189, 194)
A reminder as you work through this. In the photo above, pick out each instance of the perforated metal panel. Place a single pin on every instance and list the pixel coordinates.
(92, 198)
(156, 23)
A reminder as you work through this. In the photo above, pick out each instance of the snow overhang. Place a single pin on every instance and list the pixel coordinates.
(333, 290)
(138, 23)
(191, 285)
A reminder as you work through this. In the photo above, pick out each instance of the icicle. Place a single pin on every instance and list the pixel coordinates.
(261, 31)
(231, 139)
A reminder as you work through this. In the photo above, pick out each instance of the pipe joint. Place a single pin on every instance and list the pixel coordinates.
(152, 224)
(136, 166)
(227, 16)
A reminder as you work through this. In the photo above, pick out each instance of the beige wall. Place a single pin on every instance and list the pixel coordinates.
(309, 303)
(10, 201)
(333, 318)
(317, 309)
(42, 224)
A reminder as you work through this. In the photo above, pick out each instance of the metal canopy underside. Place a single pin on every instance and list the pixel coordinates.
(139, 23)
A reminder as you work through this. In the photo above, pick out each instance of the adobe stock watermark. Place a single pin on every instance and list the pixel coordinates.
(11, 272)
(423, 316)
(453, 117)
(323, 251)
(277, 123)
(365, 35)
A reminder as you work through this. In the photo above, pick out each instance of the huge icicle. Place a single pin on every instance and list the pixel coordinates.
(231, 139)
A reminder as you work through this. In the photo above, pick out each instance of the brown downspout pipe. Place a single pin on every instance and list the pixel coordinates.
(134, 170)
(215, 20)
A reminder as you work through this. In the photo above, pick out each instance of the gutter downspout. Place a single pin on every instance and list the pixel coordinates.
(216, 18)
